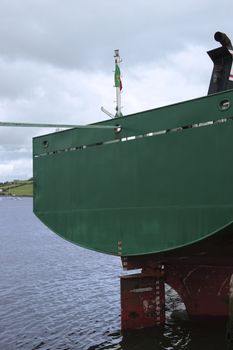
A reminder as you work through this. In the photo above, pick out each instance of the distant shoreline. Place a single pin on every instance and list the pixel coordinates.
(17, 188)
(13, 195)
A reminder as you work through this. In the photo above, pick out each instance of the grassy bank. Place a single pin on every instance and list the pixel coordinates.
(18, 188)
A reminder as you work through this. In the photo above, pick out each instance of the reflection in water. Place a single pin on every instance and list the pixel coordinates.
(55, 295)
(161, 338)
(171, 336)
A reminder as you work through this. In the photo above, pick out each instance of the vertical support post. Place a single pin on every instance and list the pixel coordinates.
(142, 301)
(118, 83)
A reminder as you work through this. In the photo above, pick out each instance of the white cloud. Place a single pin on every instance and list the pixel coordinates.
(15, 169)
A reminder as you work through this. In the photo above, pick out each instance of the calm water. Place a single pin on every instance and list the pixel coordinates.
(55, 295)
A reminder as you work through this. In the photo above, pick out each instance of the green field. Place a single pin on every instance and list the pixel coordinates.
(17, 188)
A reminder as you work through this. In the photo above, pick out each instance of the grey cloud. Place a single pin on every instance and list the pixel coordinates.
(14, 153)
(56, 61)
(83, 34)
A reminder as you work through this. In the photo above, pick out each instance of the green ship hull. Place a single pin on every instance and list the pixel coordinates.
(161, 180)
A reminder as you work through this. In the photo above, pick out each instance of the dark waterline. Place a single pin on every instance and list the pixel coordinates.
(55, 295)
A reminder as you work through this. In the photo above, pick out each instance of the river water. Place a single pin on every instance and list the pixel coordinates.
(55, 295)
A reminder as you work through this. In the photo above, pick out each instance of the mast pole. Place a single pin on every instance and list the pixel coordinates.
(118, 83)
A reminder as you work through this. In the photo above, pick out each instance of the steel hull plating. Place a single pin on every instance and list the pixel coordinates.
(164, 182)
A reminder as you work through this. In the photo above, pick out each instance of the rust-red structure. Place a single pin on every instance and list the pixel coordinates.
(200, 275)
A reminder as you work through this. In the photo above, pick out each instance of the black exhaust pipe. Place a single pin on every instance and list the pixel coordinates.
(222, 57)
(223, 39)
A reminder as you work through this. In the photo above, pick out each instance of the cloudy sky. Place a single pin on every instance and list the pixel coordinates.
(56, 62)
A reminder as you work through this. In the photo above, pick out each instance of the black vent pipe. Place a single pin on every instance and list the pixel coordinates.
(222, 57)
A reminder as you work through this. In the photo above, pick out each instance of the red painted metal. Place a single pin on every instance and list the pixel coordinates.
(142, 301)
(201, 282)
(204, 289)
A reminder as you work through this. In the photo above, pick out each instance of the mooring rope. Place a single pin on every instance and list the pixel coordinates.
(65, 126)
